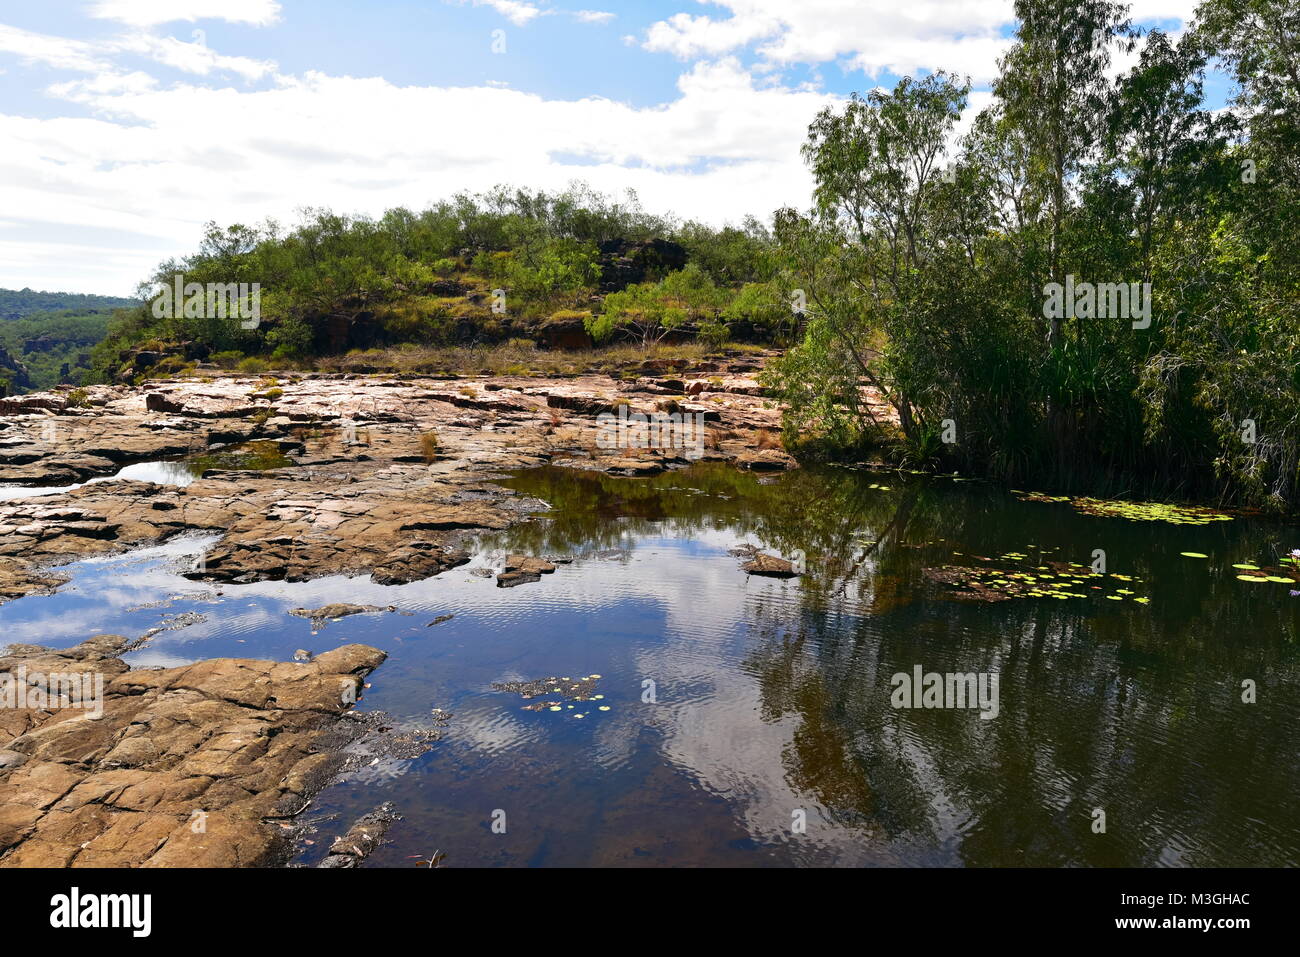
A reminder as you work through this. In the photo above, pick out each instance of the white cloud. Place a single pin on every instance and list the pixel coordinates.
(97, 57)
(196, 58)
(148, 13)
(594, 16)
(517, 12)
(871, 35)
(686, 36)
(134, 82)
(58, 52)
(177, 156)
(153, 161)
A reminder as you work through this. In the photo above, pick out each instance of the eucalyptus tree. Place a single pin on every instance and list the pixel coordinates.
(1161, 139)
(1053, 87)
(877, 168)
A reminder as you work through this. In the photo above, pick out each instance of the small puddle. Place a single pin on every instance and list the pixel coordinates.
(161, 473)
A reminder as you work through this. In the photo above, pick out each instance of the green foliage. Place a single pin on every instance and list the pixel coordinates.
(558, 269)
(22, 303)
(764, 304)
(730, 255)
(227, 360)
(58, 339)
(290, 339)
(926, 274)
(714, 334)
(388, 279)
(650, 311)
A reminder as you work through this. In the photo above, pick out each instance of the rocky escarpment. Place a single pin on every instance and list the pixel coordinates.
(197, 766)
(624, 262)
(13, 374)
(385, 476)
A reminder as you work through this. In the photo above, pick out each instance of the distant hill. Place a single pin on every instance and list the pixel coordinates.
(21, 303)
(47, 337)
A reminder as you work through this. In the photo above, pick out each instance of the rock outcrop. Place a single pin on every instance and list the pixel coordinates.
(353, 487)
(14, 376)
(623, 263)
(197, 766)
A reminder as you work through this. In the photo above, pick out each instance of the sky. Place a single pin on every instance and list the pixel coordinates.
(125, 125)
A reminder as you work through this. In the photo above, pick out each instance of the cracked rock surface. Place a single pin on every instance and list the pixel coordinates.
(364, 493)
(195, 766)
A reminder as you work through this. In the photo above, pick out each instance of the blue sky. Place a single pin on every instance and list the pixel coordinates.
(126, 124)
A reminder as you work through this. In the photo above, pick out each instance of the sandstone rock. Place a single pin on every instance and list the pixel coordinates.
(565, 332)
(361, 839)
(188, 767)
(521, 569)
(326, 613)
(763, 460)
(362, 500)
(769, 565)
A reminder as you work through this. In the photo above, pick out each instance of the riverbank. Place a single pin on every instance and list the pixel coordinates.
(382, 475)
(298, 477)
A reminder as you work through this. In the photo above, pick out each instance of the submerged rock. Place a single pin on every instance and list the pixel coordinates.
(521, 569)
(319, 616)
(557, 691)
(770, 566)
(361, 839)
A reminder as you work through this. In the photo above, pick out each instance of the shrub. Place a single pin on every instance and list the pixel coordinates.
(429, 446)
(714, 334)
(228, 359)
(290, 338)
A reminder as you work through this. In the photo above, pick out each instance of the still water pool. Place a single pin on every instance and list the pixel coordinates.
(163, 473)
(772, 698)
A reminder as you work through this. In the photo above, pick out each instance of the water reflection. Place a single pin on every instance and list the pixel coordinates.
(772, 697)
(162, 473)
